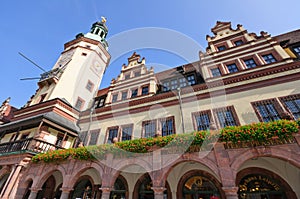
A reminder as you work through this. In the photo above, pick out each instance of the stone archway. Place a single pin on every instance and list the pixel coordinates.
(197, 183)
(27, 191)
(120, 190)
(84, 188)
(254, 181)
(48, 188)
(143, 188)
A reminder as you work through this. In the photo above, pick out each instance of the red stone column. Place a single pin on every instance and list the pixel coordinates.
(158, 192)
(231, 192)
(65, 192)
(105, 192)
(33, 192)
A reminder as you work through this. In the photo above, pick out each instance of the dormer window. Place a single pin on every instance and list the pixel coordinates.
(221, 48)
(297, 50)
(238, 42)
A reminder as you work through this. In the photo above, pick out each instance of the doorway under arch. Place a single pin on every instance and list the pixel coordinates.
(199, 184)
(260, 183)
(120, 190)
(83, 188)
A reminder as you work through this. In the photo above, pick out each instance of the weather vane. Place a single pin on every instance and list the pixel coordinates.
(103, 19)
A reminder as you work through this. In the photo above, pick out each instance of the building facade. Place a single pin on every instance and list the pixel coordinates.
(242, 78)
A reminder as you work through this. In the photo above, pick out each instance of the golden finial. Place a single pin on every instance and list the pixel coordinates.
(103, 19)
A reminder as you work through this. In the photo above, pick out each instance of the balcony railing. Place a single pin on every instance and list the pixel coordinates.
(27, 145)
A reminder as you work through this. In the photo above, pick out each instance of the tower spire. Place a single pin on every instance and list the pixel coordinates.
(99, 32)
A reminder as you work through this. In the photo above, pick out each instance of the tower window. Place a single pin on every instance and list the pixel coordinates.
(232, 68)
(250, 63)
(79, 103)
(269, 58)
(89, 86)
(215, 72)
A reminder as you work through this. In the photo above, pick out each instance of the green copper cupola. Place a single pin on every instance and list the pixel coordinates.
(99, 32)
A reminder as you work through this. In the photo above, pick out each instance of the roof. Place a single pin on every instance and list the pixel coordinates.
(290, 37)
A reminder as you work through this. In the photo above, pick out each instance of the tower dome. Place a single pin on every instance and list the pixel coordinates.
(99, 32)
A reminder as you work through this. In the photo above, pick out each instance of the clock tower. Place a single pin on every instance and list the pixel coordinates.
(78, 72)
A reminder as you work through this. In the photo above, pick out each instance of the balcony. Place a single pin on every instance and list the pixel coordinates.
(30, 145)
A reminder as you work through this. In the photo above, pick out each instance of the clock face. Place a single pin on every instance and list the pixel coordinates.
(96, 68)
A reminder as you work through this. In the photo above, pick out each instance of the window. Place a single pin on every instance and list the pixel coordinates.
(126, 132)
(83, 54)
(145, 90)
(297, 50)
(89, 86)
(191, 79)
(114, 98)
(238, 42)
(173, 84)
(269, 58)
(221, 48)
(79, 103)
(59, 139)
(112, 133)
(127, 76)
(134, 92)
(149, 128)
(83, 137)
(202, 120)
(250, 63)
(226, 116)
(182, 82)
(167, 126)
(124, 95)
(137, 73)
(292, 103)
(166, 86)
(215, 72)
(267, 110)
(94, 135)
(100, 102)
(232, 68)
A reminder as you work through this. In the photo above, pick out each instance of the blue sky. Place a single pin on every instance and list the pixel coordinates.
(39, 29)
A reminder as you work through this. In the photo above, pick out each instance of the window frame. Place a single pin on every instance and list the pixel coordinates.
(121, 131)
(272, 101)
(171, 118)
(81, 105)
(264, 56)
(212, 73)
(108, 134)
(291, 98)
(90, 85)
(232, 64)
(198, 113)
(250, 59)
(233, 114)
(133, 91)
(143, 87)
(112, 97)
(124, 95)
